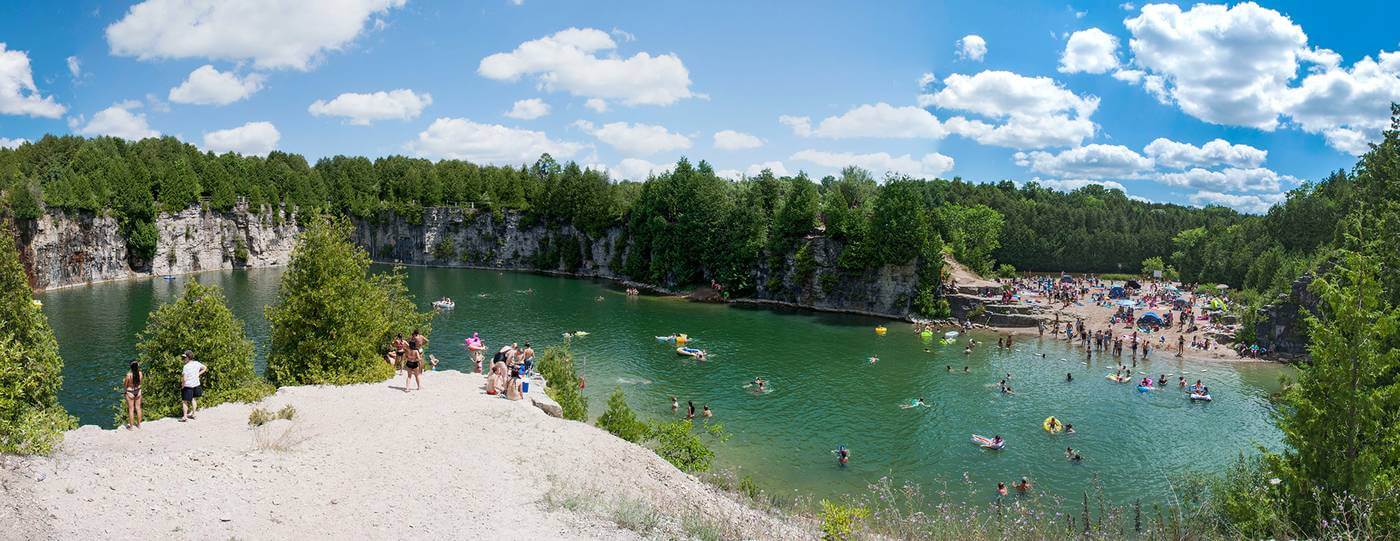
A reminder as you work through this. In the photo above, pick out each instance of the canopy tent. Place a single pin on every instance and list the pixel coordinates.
(1180, 303)
(1217, 304)
(1151, 317)
(1117, 292)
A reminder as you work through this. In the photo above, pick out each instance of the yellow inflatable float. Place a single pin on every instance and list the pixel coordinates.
(881, 330)
(1052, 425)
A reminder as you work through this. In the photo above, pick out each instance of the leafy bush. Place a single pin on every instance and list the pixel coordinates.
(1005, 270)
(557, 366)
(621, 421)
(199, 321)
(444, 250)
(839, 521)
(682, 448)
(333, 320)
(31, 372)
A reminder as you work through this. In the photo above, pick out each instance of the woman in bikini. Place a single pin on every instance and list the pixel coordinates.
(132, 395)
(413, 366)
(400, 347)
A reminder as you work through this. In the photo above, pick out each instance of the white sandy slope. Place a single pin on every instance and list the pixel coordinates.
(365, 462)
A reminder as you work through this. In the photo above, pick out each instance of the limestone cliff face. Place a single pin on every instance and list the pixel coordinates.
(68, 248)
(63, 248)
(454, 237)
(1282, 327)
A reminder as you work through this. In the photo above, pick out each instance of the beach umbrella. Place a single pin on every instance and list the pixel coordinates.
(1222, 287)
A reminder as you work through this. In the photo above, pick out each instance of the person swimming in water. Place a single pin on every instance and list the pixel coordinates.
(966, 370)
(759, 384)
(914, 403)
(675, 405)
(707, 413)
(1069, 428)
(967, 350)
(1069, 376)
(949, 367)
(843, 455)
(1001, 488)
(1072, 455)
(874, 359)
(690, 410)
(1024, 486)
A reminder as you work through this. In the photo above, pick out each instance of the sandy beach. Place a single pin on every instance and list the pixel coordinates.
(363, 462)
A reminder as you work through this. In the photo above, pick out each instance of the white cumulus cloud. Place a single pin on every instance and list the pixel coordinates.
(735, 140)
(1090, 161)
(638, 169)
(636, 139)
(1348, 106)
(1025, 112)
(1224, 65)
(529, 109)
(18, 95)
(1232, 179)
(270, 34)
(251, 139)
(1089, 51)
(6, 142)
(972, 47)
(569, 61)
(462, 139)
(931, 165)
(75, 67)
(597, 105)
(1249, 204)
(116, 121)
(365, 109)
(1174, 155)
(209, 86)
(880, 120)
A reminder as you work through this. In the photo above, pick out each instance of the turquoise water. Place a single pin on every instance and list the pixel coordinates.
(824, 391)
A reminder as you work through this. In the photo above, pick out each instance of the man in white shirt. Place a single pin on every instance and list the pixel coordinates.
(190, 389)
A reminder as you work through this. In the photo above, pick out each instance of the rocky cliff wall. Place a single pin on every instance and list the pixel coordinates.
(454, 237)
(69, 248)
(1281, 327)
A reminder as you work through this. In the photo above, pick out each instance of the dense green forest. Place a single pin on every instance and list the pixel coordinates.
(1028, 227)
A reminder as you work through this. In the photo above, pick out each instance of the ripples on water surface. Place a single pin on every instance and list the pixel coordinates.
(824, 390)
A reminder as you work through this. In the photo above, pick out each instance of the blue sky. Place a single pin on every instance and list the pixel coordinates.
(1128, 95)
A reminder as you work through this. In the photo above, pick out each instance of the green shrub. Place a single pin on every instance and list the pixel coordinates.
(557, 367)
(444, 250)
(31, 372)
(333, 320)
(261, 416)
(1005, 270)
(621, 421)
(838, 521)
(198, 321)
(676, 443)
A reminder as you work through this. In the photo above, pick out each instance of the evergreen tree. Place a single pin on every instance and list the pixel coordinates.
(198, 321)
(333, 320)
(799, 213)
(31, 372)
(1341, 420)
(621, 421)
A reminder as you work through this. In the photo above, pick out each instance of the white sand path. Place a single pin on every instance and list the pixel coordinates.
(363, 462)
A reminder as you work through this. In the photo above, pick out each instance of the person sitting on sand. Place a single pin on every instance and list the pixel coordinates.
(513, 386)
(131, 395)
(707, 413)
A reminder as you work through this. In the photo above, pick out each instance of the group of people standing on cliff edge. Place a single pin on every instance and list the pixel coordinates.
(190, 390)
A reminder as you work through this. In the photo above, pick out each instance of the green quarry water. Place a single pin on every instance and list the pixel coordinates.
(824, 391)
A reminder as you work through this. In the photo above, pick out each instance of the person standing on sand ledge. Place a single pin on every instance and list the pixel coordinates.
(190, 390)
(131, 393)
